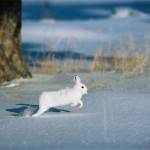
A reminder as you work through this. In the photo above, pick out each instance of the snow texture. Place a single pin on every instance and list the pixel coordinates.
(110, 119)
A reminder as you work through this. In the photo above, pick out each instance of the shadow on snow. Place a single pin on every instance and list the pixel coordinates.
(29, 109)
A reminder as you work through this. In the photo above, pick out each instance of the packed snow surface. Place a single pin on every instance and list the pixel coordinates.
(115, 115)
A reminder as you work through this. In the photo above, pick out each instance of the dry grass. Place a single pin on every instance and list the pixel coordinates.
(126, 59)
(97, 63)
(71, 65)
(126, 64)
(55, 66)
(46, 66)
(119, 63)
(123, 63)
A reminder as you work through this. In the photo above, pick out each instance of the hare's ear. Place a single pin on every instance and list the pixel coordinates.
(76, 79)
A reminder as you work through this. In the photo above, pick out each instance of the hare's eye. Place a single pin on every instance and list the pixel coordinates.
(82, 87)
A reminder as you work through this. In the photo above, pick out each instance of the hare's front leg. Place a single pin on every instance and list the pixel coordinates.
(78, 104)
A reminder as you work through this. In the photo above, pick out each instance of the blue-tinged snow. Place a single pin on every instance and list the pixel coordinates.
(113, 117)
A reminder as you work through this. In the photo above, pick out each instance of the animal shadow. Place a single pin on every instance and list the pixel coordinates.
(29, 110)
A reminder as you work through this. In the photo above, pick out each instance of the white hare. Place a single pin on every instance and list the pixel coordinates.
(69, 96)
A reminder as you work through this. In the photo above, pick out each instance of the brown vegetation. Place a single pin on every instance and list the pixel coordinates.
(126, 64)
(123, 64)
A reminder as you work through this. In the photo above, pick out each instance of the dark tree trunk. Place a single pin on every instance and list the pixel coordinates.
(11, 61)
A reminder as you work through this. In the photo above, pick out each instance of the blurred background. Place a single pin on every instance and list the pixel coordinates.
(86, 35)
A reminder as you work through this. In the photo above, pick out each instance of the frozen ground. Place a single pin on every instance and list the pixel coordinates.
(115, 116)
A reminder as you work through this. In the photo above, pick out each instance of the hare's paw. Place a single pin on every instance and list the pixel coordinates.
(80, 104)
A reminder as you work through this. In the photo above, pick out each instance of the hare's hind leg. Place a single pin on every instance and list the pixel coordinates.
(39, 112)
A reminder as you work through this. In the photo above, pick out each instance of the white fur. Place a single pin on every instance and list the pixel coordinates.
(69, 96)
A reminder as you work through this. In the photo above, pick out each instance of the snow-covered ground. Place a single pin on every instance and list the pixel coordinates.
(115, 114)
